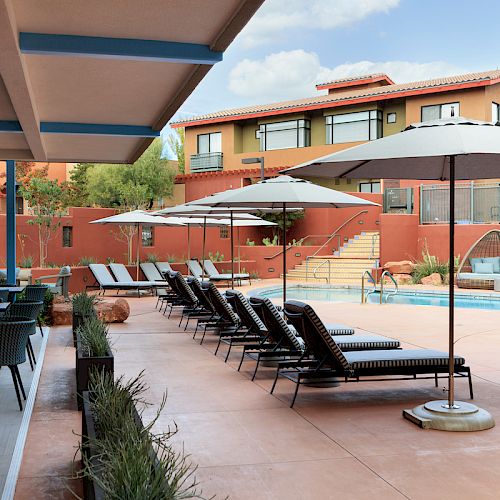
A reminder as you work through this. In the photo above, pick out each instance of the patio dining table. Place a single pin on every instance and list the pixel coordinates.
(13, 291)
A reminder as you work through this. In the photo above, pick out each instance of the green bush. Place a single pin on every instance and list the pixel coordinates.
(430, 264)
(268, 242)
(126, 468)
(94, 337)
(217, 257)
(85, 261)
(152, 257)
(26, 262)
(84, 304)
(250, 243)
(109, 260)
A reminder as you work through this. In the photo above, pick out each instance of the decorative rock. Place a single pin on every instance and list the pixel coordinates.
(401, 279)
(402, 267)
(62, 313)
(110, 312)
(432, 279)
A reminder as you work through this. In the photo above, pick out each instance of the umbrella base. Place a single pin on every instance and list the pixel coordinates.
(434, 415)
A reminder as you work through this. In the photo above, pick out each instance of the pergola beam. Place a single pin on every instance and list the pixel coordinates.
(117, 48)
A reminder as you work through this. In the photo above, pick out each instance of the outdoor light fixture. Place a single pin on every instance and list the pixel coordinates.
(250, 161)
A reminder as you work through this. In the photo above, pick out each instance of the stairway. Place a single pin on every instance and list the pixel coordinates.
(346, 266)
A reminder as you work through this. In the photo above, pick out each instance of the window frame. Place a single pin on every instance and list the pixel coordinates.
(152, 239)
(440, 108)
(493, 104)
(379, 120)
(208, 134)
(371, 184)
(394, 114)
(305, 129)
(67, 242)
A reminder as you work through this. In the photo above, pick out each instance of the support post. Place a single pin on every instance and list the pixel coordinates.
(232, 252)
(261, 159)
(11, 222)
(451, 280)
(284, 253)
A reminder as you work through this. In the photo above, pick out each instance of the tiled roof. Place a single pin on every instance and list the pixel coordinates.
(353, 79)
(348, 97)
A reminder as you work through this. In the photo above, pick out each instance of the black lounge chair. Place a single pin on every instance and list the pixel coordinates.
(105, 281)
(289, 345)
(329, 361)
(201, 292)
(255, 332)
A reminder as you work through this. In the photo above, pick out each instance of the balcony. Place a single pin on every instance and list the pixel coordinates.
(206, 162)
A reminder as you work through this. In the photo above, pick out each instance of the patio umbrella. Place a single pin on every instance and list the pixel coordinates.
(137, 218)
(446, 149)
(283, 192)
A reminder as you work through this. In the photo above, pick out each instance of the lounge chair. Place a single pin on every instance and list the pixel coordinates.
(163, 268)
(122, 275)
(329, 360)
(289, 345)
(105, 281)
(201, 292)
(182, 295)
(196, 270)
(255, 333)
(213, 273)
(152, 274)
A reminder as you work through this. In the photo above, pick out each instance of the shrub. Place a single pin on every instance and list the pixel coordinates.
(84, 304)
(171, 258)
(26, 262)
(152, 257)
(217, 257)
(430, 264)
(250, 243)
(126, 466)
(109, 260)
(45, 315)
(85, 261)
(270, 243)
(94, 337)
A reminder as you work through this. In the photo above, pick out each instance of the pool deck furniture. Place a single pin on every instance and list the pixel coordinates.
(329, 360)
(214, 274)
(104, 281)
(152, 274)
(61, 286)
(195, 269)
(163, 267)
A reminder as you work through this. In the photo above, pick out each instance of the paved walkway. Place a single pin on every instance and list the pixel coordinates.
(348, 442)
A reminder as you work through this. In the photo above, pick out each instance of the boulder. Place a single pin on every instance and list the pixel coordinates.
(401, 267)
(113, 312)
(401, 279)
(432, 279)
(62, 313)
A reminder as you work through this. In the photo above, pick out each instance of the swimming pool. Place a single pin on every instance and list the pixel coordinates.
(353, 294)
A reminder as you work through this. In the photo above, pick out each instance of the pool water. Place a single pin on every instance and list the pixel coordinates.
(403, 297)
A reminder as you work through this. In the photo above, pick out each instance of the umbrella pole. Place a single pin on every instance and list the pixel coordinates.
(239, 252)
(203, 249)
(232, 252)
(189, 247)
(284, 253)
(451, 281)
(137, 255)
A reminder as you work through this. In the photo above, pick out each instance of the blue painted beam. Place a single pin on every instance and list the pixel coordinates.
(10, 126)
(97, 129)
(117, 48)
(11, 222)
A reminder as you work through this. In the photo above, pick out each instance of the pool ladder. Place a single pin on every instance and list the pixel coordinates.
(364, 297)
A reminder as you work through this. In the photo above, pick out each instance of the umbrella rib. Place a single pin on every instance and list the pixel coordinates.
(354, 168)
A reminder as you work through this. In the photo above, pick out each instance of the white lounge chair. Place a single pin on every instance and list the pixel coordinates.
(152, 274)
(164, 268)
(104, 281)
(214, 274)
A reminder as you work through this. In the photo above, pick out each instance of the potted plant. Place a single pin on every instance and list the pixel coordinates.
(93, 350)
(83, 307)
(122, 458)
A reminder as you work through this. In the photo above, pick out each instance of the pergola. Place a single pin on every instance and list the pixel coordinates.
(96, 81)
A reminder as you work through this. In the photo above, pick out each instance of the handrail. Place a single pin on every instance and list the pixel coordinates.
(331, 236)
(394, 292)
(321, 264)
(363, 298)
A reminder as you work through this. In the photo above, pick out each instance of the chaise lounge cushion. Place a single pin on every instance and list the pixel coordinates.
(396, 359)
(495, 261)
(482, 268)
(477, 276)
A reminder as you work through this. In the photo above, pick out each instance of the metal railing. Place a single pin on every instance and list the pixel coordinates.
(206, 162)
(474, 203)
(319, 266)
(398, 200)
(391, 293)
(374, 289)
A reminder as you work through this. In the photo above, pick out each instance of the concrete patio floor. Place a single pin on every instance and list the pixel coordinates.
(345, 442)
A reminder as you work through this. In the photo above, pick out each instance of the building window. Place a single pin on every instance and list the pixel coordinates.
(19, 205)
(391, 117)
(285, 135)
(369, 187)
(210, 143)
(223, 232)
(67, 236)
(495, 112)
(354, 127)
(438, 111)
(147, 236)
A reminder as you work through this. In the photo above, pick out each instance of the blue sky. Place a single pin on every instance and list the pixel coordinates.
(290, 45)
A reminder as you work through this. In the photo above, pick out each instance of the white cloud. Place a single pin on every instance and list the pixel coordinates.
(277, 17)
(293, 74)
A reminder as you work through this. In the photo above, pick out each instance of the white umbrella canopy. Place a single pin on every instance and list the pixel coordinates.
(283, 192)
(422, 151)
(138, 218)
(446, 149)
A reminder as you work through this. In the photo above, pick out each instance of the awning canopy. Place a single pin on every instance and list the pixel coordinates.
(97, 81)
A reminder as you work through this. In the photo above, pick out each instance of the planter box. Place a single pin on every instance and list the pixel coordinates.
(83, 365)
(78, 320)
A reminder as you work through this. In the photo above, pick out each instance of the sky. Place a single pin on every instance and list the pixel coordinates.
(290, 45)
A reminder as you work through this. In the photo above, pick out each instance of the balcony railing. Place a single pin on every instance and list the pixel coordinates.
(474, 204)
(206, 162)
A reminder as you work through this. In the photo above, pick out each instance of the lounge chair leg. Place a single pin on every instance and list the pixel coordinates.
(228, 351)
(203, 336)
(180, 322)
(16, 387)
(256, 368)
(241, 360)
(435, 379)
(187, 323)
(218, 345)
(275, 381)
(469, 376)
(295, 393)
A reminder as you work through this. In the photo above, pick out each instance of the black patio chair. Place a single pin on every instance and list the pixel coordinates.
(14, 335)
(329, 360)
(200, 289)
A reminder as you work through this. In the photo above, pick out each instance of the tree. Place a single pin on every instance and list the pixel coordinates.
(46, 202)
(175, 142)
(77, 193)
(277, 217)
